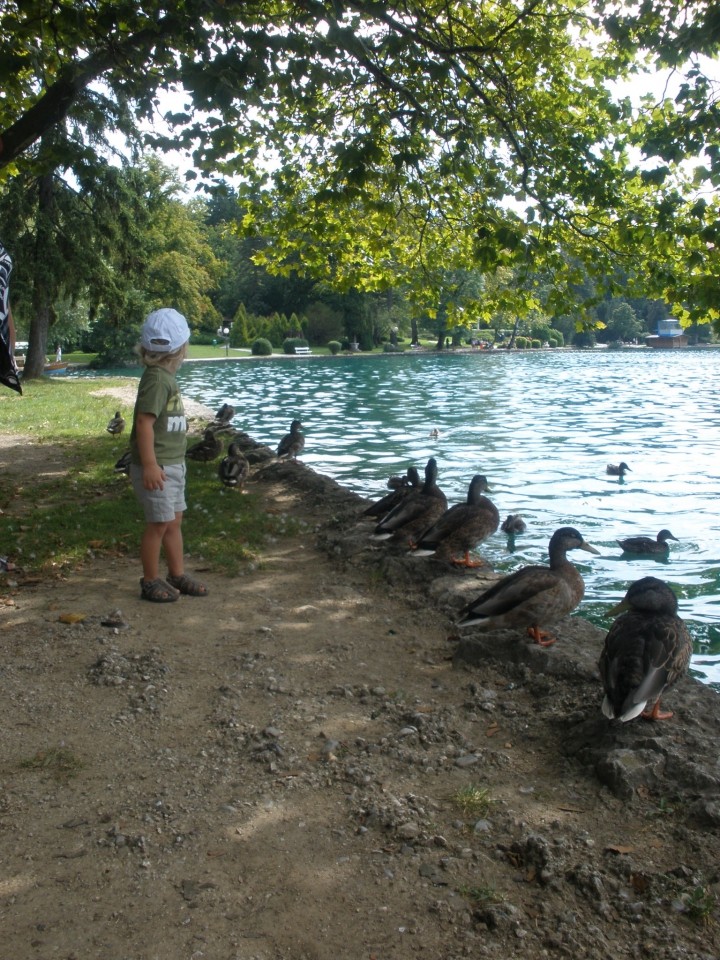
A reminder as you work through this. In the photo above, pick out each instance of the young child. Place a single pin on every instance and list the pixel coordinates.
(157, 457)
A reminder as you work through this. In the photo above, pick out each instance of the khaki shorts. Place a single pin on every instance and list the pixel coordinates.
(160, 506)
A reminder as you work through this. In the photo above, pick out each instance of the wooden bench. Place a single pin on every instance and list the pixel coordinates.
(303, 351)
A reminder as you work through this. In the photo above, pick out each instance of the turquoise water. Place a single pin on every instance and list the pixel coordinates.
(542, 426)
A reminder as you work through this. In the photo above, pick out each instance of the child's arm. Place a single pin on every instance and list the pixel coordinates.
(153, 473)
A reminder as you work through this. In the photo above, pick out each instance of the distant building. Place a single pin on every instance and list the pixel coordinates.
(669, 335)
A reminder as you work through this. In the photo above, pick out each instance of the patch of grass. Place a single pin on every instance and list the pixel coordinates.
(486, 894)
(472, 801)
(700, 904)
(64, 519)
(59, 762)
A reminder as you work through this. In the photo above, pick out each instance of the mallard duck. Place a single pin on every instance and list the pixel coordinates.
(646, 545)
(617, 469)
(462, 527)
(400, 487)
(293, 443)
(122, 465)
(116, 424)
(416, 512)
(646, 650)
(513, 524)
(533, 595)
(225, 414)
(206, 449)
(233, 469)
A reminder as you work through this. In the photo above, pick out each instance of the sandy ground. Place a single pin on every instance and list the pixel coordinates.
(284, 770)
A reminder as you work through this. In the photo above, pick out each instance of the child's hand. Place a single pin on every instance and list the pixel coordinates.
(153, 477)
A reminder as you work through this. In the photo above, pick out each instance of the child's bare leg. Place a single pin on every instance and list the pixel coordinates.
(172, 543)
(150, 544)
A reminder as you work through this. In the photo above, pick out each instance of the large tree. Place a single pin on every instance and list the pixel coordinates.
(380, 131)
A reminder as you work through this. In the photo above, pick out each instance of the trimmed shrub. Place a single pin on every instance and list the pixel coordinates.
(391, 348)
(261, 348)
(334, 346)
(536, 344)
(290, 343)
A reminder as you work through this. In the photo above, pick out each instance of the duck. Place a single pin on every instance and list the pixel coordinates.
(416, 512)
(293, 443)
(648, 546)
(233, 469)
(533, 595)
(400, 487)
(224, 414)
(617, 469)
(122, 465)
(646, 650)
(513, 524)
(461, 528)
(116, 424)
(206, 449)
(222, 422)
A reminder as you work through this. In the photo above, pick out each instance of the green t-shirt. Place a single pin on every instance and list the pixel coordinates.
(158, 394)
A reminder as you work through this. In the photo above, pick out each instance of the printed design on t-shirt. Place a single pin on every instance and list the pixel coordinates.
(176, 423)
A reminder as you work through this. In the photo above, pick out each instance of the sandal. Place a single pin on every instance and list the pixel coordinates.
(157, 591)
(188, 586)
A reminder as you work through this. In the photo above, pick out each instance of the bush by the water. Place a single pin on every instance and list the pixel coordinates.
(261, 348)
(290, 343)
(334, 346)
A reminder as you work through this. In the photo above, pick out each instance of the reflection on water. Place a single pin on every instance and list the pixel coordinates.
(542, 427)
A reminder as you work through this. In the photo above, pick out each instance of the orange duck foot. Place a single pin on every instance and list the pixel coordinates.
(656, 713)
(467, 561)
(540, 637)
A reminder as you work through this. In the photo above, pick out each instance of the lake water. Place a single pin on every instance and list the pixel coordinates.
(542, 426)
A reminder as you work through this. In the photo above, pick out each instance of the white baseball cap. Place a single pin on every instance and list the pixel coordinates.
(164, 331)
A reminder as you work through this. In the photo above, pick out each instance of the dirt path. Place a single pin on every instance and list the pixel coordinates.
(276, 772)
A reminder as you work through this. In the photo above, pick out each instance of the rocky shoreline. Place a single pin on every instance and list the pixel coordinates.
(311, 764)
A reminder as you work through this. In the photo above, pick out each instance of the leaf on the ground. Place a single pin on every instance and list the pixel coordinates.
(72, 617)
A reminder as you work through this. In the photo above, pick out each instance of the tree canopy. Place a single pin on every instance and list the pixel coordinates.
(397, 142)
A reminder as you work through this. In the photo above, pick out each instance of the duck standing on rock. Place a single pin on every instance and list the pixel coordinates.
(400, 487)
(617, 469)
(233, 469)
(461, 528)
(647, 546)
(116, 424)
(206, 449)
(416, 512)
(533, 595)
(293, 443)
(646, 650)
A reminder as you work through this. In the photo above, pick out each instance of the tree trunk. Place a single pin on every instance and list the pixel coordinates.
(511, 342)
(414, 338)
(42, 298)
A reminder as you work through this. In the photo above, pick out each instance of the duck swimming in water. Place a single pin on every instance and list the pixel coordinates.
(647, 649)
(513, 524)
(293, 443)
(416, 512)
(647, 546)
(533, 595)
(617, 469)
(461, 528)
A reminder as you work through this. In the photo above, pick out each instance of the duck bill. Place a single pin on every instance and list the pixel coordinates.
(589, 548)
(618, 609)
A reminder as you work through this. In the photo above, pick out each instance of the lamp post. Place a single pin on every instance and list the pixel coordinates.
(224, 332)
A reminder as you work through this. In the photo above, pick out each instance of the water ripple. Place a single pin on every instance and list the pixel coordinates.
(542, 426)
